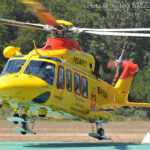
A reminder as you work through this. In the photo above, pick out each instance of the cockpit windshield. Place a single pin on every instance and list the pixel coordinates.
(13, 66)
(41, 69)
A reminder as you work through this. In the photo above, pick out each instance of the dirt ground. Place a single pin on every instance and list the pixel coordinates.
(75, 131)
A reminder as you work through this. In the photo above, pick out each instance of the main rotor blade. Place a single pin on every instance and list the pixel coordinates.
(22, 24)
(119, 34)
(79, 30)
(41, 12)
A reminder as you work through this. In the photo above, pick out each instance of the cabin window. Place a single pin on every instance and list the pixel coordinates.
(77, 83)
(69, 80)
(84, 87)
(61, 79)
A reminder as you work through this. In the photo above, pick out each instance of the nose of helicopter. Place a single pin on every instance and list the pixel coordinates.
(21, 88)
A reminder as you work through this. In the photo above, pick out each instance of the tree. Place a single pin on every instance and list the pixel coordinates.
(89, 14)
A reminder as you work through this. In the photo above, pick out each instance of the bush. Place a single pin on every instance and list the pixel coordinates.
(130, 112)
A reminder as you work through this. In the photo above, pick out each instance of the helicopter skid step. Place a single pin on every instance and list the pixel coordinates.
(99, 137)
(19, 120)
(20, 130)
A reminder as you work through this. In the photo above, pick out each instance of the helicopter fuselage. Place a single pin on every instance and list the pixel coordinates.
(59, 81)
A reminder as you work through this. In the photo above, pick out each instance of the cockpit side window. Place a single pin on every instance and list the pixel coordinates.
(5, 69)
(41, 69)
(13, 66)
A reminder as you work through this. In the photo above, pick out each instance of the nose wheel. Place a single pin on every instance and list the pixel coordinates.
(23, 119)
(15, 115)
(24, 128)
(24, 124)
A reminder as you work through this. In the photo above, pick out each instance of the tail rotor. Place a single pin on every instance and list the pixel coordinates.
(117, 63)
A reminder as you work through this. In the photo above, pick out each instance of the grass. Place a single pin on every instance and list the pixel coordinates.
(116, 117)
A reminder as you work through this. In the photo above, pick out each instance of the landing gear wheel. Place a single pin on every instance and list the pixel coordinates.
(24, 124)
(23, 133)
(24, 116)
(15, 115)
(101, 131)
(100, 134)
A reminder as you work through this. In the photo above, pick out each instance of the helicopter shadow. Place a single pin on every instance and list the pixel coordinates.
(69, 145)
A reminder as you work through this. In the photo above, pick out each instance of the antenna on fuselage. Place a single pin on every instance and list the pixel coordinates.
(35, 48)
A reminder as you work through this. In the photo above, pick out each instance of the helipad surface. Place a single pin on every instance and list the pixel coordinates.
(71, 146)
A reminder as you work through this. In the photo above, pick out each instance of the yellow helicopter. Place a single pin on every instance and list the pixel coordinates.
(60, 79)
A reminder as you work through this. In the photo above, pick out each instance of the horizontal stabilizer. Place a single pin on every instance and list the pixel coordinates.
(137, 104)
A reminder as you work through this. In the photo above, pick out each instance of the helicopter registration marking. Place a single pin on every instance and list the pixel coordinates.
(102, 92)
(79, 61)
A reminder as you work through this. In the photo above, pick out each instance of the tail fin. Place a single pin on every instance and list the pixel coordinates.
(125, 80)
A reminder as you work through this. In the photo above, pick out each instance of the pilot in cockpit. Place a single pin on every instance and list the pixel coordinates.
(49, 74)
